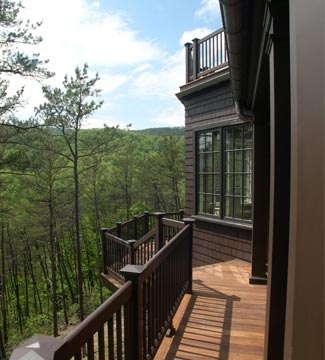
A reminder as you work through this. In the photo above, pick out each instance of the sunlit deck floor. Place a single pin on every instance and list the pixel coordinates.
(223, 319)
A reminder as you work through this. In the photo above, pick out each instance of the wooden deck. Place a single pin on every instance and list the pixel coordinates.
(224, 318)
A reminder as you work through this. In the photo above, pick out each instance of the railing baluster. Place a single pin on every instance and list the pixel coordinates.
(101, 344)
(90, 349)
(119, 335)
(110, 333)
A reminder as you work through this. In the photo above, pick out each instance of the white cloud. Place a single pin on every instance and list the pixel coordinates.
(198, 33)
(161, 82)
(208, 8)
(172, 116)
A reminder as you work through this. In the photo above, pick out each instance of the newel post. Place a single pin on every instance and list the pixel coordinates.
(196, 50)
(134, 337)
(135, 227)
(119, 229)
(159, 231)
(188, 62)
(190, 222)
(146, 222)
(131, 252)
(104, 249)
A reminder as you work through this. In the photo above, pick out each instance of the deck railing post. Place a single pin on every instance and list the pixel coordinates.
(181, 214)
(104, 247)
(132, 273)
(132, 252)
(188, 62)
(190, 222)
(119, 229)
(159, 231)
(135, 227)
(196, 58)
(146, 222)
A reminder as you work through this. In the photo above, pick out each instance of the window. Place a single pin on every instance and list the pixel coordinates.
(225, 172)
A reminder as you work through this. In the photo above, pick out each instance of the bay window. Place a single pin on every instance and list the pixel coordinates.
(224, 173)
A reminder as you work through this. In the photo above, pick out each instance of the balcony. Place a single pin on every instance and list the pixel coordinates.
(214, 311)
(206, 62)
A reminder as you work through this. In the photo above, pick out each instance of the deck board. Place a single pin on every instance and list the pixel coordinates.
(224, 319)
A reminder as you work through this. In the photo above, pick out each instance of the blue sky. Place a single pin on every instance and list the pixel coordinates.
(136, 46)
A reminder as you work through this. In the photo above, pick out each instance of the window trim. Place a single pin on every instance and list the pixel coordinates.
(229, 123)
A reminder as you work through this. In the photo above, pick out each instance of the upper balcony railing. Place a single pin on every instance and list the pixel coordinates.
(205, 56)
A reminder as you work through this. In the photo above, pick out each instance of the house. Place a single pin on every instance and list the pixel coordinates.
(262, 202)
(254, 109)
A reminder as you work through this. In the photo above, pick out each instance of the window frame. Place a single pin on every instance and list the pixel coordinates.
(222, 127)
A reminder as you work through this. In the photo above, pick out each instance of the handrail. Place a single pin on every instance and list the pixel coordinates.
(84, 332)
(144, 238)
(160, 286)
(162, 254)
(174, 223)
(137, 315)
(119, 251)
(205, 56)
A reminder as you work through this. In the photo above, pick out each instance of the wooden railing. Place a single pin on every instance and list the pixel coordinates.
(120, 250)
(131, 324)
(205, 56)
(160, 286)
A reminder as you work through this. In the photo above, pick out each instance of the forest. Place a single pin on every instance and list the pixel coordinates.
(60, 183)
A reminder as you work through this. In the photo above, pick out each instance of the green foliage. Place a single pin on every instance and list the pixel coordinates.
(163, 131)
(14, 32)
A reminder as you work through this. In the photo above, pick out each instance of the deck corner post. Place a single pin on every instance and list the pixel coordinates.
(119, 229)
(131, 251)
(135, 313)
(104, 249)
(146, 221)
(195, 58)
(190, 223)
(188, 62)
(135, 226)
(159, 230)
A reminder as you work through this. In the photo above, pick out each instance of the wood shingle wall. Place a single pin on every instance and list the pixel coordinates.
(208, 108)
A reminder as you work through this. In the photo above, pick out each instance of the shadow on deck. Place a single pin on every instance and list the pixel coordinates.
(223, 319)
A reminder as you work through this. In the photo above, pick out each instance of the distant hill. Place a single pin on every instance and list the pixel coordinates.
(163, 131)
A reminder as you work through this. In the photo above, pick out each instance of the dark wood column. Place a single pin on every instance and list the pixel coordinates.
(261, 180)
(279, 178)
(261, 196)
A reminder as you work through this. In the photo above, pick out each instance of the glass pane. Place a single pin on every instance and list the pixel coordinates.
(247, 185)
(238, 135)
(201, 183)
(201, 203)
(238, 161)
(209, 204)
(208, 164)
(208, 142)
(238, 184)
(217, 162)
(229, 139)
(209, 187)
(201, 142)
(238, 207)
(217, 184)
(248, 161)
(229, 184)
(228, 206)
(217, 206)
(229, 161)
(201, 162)
(216, 141)
(247, 213)
(248, 137)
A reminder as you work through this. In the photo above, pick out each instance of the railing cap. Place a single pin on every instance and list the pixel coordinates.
(132, 269)
(39, 347)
